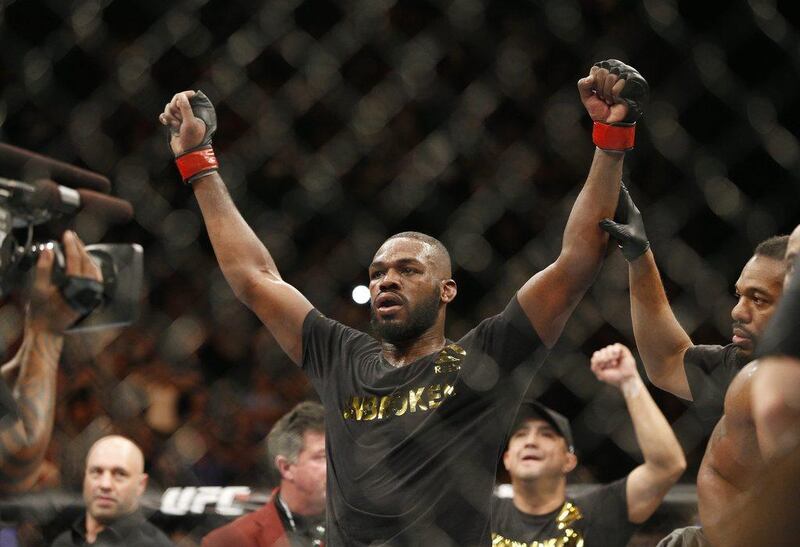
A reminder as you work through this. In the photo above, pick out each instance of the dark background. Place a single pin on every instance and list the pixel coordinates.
(341, 123)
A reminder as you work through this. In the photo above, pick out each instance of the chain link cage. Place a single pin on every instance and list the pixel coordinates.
(343, 122)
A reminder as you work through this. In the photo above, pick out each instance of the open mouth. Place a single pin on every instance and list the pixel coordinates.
(388, 302)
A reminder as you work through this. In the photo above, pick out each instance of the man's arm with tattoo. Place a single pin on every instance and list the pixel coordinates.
(23, 442)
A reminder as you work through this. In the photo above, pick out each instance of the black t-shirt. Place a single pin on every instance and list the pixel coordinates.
(130, 530)
(412, 450)
(709, 371)
(598, 517)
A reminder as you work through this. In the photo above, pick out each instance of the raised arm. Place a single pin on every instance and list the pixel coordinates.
(661, 340)
(664, 461)
(32, 371)
(245, 262)
(613, 95)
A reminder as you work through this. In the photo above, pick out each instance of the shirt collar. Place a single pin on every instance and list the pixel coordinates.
(119, 528)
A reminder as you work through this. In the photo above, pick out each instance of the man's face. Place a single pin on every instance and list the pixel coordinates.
(309, 471)
(792, 252)
(758, 289)
(114, 479)
(536, 450)
(405, 289)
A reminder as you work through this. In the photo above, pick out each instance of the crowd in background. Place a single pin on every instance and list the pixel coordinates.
(431, 119)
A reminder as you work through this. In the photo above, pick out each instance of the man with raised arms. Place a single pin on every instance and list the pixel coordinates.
(415, 422)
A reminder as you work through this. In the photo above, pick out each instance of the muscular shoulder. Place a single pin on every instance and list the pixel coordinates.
(737, 399)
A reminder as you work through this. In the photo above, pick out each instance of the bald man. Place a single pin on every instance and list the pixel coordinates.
(113, 483)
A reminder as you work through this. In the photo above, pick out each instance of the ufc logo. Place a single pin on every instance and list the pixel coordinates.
(190, 499)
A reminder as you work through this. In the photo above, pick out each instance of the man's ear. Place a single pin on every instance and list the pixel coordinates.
(448, 290)
(505, 459)
(284, 467)
(571, 463)
(142, 484)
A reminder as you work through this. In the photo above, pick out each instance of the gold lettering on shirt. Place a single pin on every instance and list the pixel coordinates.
(419, 399)
(353, 409)
(404, 404)
(566, 517)
(369, 408)
(449, 359)
(434, 396)
(372, 407)
(414, 398)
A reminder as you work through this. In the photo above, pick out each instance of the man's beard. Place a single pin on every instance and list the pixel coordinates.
(743, 355)
(419, 320)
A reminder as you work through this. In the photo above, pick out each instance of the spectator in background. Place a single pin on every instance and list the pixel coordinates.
(295, 514)
(113, 484)
(27, 409)
(540, 454)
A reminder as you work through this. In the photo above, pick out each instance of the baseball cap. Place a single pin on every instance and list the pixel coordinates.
(531, 408)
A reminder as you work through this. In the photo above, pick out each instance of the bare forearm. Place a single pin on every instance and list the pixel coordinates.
(584, 244)
(655, 437)
(660, 339)
(22, 445)
(551, 295)
(241, 255)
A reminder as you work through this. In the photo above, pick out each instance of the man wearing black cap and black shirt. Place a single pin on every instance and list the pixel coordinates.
(541, 453)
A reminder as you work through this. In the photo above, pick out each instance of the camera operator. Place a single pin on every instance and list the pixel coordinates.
(31, 374)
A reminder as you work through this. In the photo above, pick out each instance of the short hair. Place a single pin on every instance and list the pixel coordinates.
(286, 437)
(773, 247)
(439, 248)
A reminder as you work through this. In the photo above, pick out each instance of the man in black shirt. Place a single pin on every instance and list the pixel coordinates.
(760, 427)
(698, 373)
(541, 453)
(766, 513)
(415, 422)
(112, 485)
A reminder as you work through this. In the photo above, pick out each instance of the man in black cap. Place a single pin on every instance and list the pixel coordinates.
(541, 452)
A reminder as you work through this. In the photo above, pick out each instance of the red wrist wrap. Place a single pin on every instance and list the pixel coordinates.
(613, 137)
(197, 163)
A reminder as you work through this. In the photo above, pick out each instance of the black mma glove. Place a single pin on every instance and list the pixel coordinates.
(619, 136)
(200, 160)
(627, 228)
